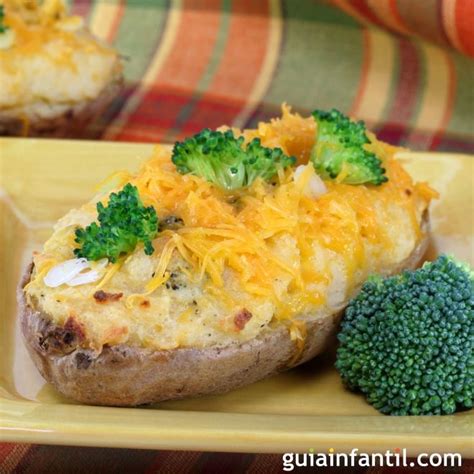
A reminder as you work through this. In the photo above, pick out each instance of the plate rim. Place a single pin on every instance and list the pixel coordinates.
(27, 421)
(228, 432)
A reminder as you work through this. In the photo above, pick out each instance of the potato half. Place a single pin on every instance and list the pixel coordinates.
(241, 285)
(124, 375)
(55, 77)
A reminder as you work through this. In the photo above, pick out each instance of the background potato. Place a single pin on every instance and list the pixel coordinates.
(55, 77)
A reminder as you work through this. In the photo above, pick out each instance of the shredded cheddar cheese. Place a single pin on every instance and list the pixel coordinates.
(298, 333)
(114, 268)
(34, 27)
(274, 251)
(43, 266)
(50, 62)
(218, 235)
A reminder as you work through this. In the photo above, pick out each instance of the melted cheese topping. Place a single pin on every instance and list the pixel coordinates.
(51, 61)
(269, 249)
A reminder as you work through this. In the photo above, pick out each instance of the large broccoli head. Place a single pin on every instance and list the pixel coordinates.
(123, 223)
(407, 341)
(224, 160)
(339, 150)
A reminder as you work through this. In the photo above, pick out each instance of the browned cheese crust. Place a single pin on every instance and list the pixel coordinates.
(123, 375)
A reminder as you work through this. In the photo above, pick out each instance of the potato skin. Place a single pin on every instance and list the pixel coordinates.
(126, 376)
(123, 375)
(69, 124)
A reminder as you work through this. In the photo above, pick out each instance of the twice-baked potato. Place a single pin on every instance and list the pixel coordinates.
(54, 75)
(236, 285)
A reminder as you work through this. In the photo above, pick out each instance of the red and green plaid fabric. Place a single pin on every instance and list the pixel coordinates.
(404, 66)
(448, 23)
(191, 64)
(20, 459)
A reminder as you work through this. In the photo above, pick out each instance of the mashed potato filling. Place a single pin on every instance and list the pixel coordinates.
(51, 62)
(234, 264)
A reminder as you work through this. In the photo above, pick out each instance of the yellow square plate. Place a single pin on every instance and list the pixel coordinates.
(295, 411)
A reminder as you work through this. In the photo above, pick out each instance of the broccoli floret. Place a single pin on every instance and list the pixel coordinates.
(224, 160)
(123, 223)
(3, 27)
(339, 150)
(406, 342)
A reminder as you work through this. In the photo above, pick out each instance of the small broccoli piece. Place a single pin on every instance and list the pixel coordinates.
(3, 27)
(123, 223)
(224, 160)
(406, 342)
(339, 150)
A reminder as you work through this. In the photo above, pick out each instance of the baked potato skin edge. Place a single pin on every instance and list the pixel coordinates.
(123, 375)
(69, 124)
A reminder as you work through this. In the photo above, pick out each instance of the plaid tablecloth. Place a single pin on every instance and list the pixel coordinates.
(196, 63)
(404, 66)
(21, 459)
